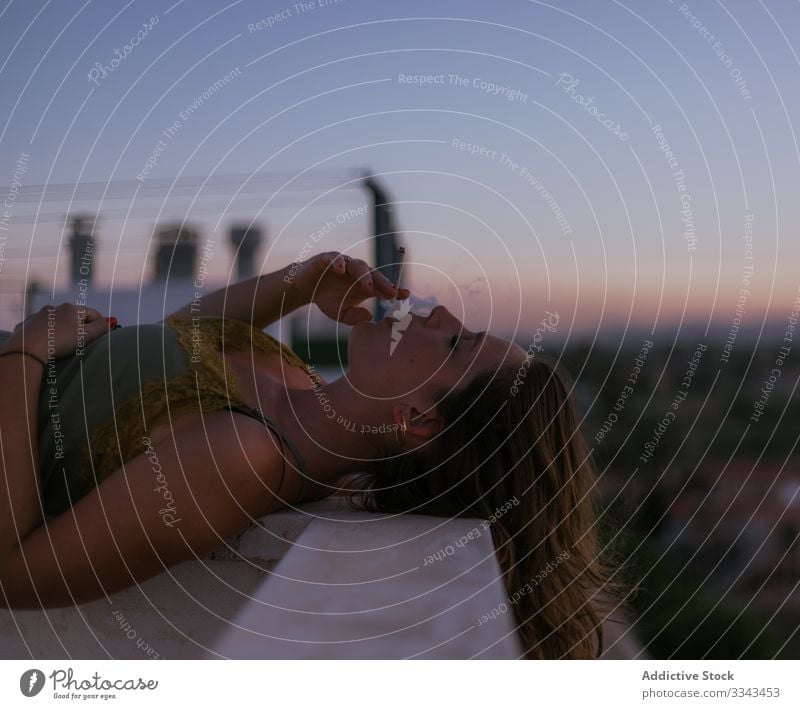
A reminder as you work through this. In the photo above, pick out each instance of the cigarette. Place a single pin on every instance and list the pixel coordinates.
(401, 254)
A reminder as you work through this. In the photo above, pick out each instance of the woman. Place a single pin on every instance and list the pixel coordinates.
(142, 464)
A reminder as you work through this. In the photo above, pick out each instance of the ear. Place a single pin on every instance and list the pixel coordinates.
(420, 425)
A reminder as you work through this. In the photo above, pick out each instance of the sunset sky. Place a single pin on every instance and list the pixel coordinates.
(525, 145)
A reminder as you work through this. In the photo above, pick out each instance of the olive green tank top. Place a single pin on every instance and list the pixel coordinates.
(97, 408)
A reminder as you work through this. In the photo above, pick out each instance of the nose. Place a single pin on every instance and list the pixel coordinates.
(436, 315)
(433, 313)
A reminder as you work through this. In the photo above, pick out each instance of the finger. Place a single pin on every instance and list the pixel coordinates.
(96, 328)
(93, 317)
(90, 315)
(362, 273)
(383, 285)
(87, 317)
(328, 258)
(354, 316)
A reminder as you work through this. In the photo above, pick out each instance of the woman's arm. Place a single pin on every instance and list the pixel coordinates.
(20, 382)
(219, 474)
(336, 283)
(50, 333)
(260, 300)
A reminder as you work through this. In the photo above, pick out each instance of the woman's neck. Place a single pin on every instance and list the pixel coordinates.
(335, 431)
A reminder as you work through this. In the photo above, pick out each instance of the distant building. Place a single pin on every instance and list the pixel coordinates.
(176, 253)
(385, 235)
(245, 240)
(81, 245)
(179, 275)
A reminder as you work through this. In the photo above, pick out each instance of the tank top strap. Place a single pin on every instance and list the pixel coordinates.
(269, 423)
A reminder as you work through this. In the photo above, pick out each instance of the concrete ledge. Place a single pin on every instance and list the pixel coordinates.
(319, 582)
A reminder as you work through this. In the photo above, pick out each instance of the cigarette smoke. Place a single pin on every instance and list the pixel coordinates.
(423, 306)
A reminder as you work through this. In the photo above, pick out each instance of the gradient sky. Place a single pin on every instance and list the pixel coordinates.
(320, 91)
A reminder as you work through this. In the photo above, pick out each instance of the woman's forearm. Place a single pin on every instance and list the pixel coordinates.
(20, 508)
(260, 300)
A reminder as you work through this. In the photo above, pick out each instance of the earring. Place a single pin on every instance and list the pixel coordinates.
(403, 428)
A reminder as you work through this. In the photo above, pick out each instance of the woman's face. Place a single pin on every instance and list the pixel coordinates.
(430, 352)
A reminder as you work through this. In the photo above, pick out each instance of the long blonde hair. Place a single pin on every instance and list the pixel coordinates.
(509, 437)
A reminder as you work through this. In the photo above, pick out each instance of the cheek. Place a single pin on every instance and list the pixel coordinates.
(422, 365)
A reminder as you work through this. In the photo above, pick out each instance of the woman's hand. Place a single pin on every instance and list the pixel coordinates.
(57, 331)
(338, 284)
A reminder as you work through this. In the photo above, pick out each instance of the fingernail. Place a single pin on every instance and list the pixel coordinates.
(112, 322)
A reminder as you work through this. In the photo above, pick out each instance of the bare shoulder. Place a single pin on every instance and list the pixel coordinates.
(218, 469)
(229, 449)
(180, 498)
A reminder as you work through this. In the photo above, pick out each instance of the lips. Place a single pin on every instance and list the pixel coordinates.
(414, 316)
